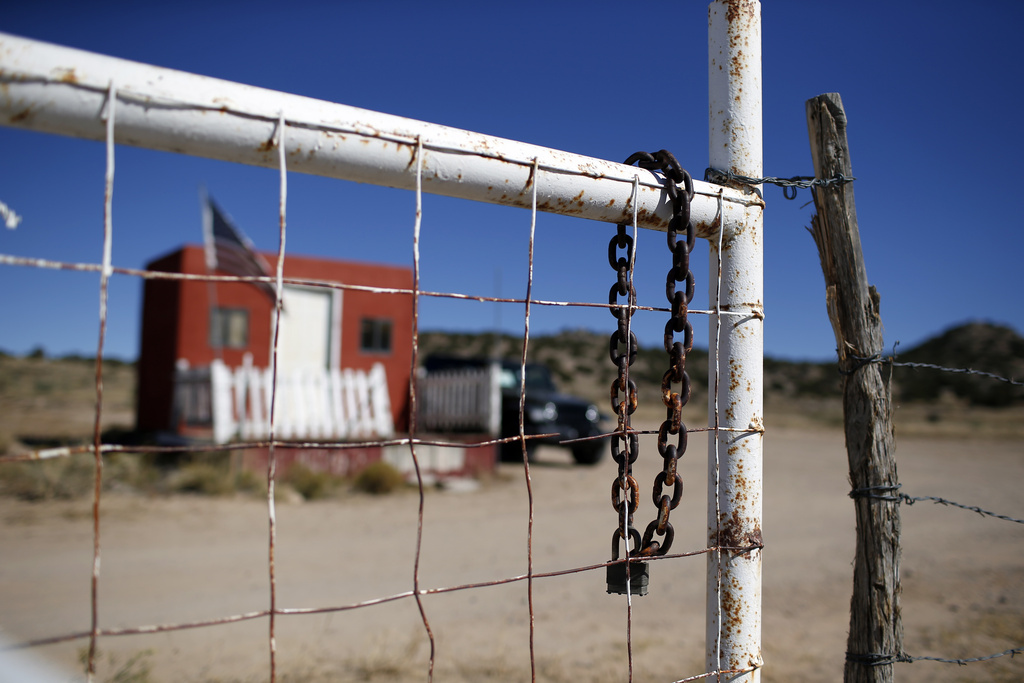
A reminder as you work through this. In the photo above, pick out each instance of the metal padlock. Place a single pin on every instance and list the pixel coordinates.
(639, 575)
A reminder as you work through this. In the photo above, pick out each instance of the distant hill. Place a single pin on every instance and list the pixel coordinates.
(579, 359)
(979, 346)
(52, 401)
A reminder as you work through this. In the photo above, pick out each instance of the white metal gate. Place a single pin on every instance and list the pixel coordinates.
(70, 92)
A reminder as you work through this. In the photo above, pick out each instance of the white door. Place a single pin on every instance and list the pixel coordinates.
(307, 329)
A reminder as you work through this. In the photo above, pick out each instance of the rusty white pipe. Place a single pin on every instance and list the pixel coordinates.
(736, 349)
(55, 89)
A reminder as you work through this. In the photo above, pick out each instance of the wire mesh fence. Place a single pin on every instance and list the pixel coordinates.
(421, 593)
(417, 591)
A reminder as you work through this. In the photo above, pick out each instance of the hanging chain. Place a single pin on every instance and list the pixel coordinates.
(625, 446)
(679, 301)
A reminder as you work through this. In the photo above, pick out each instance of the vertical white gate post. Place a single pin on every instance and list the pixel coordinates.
(736, 349)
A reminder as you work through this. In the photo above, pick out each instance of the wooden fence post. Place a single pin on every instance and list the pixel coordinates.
(876, 630)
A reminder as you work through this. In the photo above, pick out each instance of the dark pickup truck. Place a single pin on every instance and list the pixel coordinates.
(546, 411)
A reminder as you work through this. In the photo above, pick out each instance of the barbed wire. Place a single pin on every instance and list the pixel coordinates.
(891, 493)
(878, 659)
(869, 492)
(789, 185)
(891, 360)
(965, 371)
(910, 500)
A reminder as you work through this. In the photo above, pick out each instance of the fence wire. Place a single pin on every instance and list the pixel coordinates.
(891, 360)
(883, 659)
(98, 449)
(892, 494)
(878, 493)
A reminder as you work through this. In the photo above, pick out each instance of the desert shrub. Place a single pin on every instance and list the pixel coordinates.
(201, 477)
(379, 478)
(251, 482)
(136, 669)
(57, 478)
(131, 470)
(310, 484)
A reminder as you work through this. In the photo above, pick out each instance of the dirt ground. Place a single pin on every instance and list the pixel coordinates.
(185, 558)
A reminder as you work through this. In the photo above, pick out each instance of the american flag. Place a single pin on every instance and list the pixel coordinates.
(229, 250)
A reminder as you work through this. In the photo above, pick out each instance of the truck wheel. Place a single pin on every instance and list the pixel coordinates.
(588, 453)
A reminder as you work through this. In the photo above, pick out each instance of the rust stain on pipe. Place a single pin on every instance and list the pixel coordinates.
(737, 533)
(22, 115)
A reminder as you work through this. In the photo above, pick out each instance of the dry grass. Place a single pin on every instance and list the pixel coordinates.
(975, 634)
(49, 402)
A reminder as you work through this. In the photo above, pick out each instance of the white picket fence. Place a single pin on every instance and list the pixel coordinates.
(311, 404)
(460, 400)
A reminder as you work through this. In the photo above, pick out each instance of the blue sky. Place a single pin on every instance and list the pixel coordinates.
(931, 90)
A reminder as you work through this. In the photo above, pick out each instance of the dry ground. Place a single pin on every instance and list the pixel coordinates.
(185, 558)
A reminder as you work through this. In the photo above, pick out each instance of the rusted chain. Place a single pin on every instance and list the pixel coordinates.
(679, 186)
(622, 350)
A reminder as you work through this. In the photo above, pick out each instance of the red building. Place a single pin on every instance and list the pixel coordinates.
(194, 323)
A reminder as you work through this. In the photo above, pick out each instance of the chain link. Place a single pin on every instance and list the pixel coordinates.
(675, 383)
(668, 484)
(622, 349)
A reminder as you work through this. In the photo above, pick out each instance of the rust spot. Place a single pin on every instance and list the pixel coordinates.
(611, 202)
(731, 533)
(68, 76)
(21, 115)
(267, 146)
(529, 179)
(735, 11)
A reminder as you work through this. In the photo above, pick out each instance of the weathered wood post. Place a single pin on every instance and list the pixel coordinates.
(876, 630)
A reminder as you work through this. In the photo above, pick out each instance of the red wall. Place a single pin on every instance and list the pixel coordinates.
(175, 325)
(155, 393)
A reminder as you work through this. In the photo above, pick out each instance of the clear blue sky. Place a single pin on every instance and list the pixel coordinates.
(932, 91)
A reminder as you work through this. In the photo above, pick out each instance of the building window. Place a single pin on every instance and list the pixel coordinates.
(375, 335)
(229, 328)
